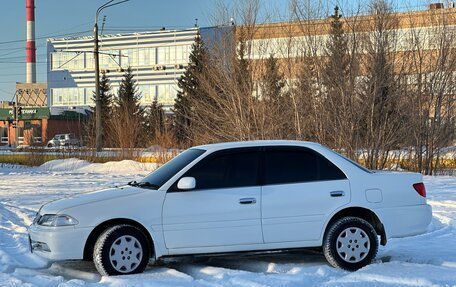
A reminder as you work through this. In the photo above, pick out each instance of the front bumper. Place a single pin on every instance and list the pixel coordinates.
(64, 243)
(403, 221)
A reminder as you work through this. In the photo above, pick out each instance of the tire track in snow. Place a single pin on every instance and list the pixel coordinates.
(14, 241)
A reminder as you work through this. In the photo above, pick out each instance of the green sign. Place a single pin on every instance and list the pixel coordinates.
(26, 114)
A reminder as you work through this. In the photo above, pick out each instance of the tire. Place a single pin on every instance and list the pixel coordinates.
(350, 243)
(120, 250)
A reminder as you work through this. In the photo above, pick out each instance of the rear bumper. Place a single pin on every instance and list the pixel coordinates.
(405, 221)
(64, 243)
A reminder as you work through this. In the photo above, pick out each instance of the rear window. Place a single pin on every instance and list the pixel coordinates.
(350, 161)
(292, 165)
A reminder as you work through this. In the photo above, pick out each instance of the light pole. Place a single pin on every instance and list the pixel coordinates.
(98, 126)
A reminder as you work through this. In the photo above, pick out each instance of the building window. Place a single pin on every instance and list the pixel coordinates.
(109, 59)
(148, 93)
(163, 55)
(89, 61)
(132, 57)
(20, 135)
(173, 55)
(67, 61)
(4, 135)
(37, 133)
(68, 97)
(166, 94)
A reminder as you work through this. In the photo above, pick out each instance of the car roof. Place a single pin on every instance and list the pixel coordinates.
(257, 143)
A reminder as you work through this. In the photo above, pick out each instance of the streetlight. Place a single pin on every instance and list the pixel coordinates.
(98, 127)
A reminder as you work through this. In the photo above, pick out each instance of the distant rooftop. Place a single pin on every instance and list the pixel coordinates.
(142, 33)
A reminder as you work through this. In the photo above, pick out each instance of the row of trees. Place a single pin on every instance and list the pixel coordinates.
(126, 123)
(362, 93)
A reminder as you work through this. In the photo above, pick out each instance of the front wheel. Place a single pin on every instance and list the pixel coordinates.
(121, 249)
(350, 243)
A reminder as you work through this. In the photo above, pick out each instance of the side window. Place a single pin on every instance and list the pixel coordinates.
(298, 165)
(225, 170)
(328, 171)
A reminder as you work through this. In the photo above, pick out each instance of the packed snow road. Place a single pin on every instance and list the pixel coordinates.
(425, 260)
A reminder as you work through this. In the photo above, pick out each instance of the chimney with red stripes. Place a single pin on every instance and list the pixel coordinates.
(30, 49)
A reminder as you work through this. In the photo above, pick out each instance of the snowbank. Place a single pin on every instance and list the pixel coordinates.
(82, 166)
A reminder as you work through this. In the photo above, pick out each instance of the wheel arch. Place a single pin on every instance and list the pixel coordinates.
(96, 232)
(363, 213)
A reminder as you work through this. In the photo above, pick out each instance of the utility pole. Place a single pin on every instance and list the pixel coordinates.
(98, 126)
(16, 119)
(96, 54)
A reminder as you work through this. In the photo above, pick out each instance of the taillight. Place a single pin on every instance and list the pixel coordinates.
(420, 188)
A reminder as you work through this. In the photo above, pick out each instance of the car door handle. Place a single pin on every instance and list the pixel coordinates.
(249, 200)
(337, 193)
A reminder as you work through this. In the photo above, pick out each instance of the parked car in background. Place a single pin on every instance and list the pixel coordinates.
(63, 140)
(233, 197)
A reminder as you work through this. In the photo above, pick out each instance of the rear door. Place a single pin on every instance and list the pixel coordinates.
(223, 210)
(301, 189)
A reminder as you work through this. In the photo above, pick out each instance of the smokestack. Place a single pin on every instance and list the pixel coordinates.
(30, 49)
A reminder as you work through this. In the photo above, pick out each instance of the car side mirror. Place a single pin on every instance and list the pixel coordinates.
(186, 183)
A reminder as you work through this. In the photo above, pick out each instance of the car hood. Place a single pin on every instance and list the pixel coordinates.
(55, 207)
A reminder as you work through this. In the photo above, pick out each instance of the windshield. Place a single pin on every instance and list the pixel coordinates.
(162, 174)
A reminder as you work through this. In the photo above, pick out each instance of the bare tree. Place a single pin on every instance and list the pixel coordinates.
(432, 62)
(382, 109)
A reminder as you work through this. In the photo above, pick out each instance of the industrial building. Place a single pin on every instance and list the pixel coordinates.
(288, 41)
(158, 59)
(26, 119)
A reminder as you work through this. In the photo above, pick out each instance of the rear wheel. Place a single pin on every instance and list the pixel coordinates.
(350, 243)
(121, 249)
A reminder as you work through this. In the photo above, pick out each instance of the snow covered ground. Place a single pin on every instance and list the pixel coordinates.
(425, 260)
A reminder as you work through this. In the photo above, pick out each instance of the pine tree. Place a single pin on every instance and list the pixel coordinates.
(128, 117)
(338, 62)
(339, 97)
(106, 101)
(189, 91)
(106, 97)
(155, 121)
(243, 74)
(274, 101)
(272, 82)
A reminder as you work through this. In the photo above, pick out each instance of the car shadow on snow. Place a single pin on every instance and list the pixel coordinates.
(271, 262)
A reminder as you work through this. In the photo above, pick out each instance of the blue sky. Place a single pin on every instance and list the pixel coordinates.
(57, 17)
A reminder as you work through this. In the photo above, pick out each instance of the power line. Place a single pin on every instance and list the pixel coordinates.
(20, 74)
(44, 37)
(19, 57)
(5, 92)
(47, 35)
(17, 50)
(18, 62)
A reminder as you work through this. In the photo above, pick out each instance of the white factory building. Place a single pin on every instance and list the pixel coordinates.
(157, 59)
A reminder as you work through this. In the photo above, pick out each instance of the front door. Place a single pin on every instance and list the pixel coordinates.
(301, 189)
(223, 210)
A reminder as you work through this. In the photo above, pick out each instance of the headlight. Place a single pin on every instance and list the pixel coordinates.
(56, 220)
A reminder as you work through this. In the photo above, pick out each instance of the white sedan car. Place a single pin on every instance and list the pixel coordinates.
(234, 197)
